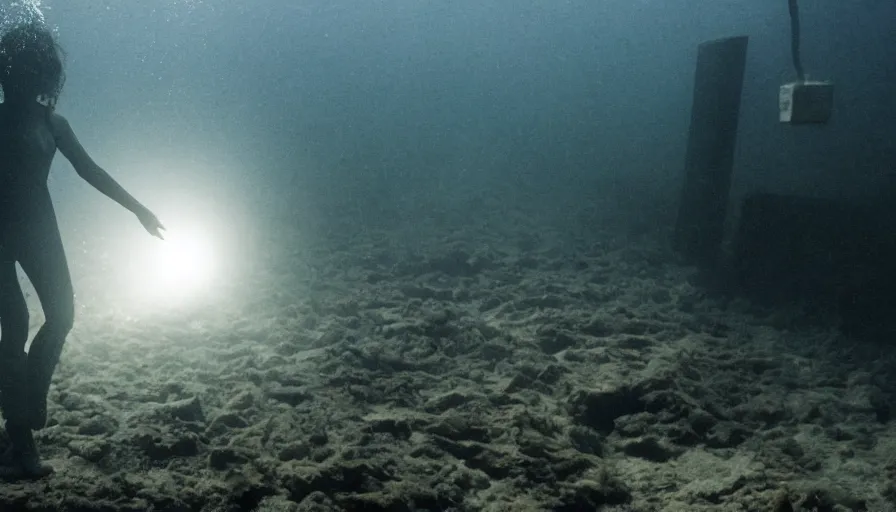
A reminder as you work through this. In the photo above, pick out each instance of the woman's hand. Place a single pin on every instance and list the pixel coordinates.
(150, 222)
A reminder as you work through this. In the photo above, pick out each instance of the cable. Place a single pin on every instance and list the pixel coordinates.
(795, 40)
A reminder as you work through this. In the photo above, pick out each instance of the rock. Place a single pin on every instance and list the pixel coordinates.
(291, 395)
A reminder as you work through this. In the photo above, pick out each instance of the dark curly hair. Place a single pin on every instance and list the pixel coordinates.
(31, 64)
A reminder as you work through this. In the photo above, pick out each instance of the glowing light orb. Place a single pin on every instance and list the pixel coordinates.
(183, 262)
(178, 267)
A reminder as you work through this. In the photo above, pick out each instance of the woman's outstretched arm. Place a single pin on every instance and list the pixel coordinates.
(93, 174)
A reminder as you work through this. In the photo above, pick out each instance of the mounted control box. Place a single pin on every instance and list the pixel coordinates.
(806, 102)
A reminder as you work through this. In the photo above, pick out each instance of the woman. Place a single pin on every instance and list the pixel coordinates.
(31, 77)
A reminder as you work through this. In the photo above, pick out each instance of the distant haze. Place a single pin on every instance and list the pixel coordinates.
(312, 102)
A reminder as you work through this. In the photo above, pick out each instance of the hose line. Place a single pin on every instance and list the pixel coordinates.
(795, 40)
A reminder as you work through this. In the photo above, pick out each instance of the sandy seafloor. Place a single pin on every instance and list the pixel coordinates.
(494, 362)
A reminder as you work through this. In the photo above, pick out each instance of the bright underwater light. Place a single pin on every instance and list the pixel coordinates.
(183, 262)
(180, 267)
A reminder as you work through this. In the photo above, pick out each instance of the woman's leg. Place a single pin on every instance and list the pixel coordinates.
(13, 336)
(45, 264)
(13, 311)
(22, 459)
(38, 248)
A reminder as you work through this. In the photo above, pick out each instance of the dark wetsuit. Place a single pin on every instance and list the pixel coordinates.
(29, 235)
